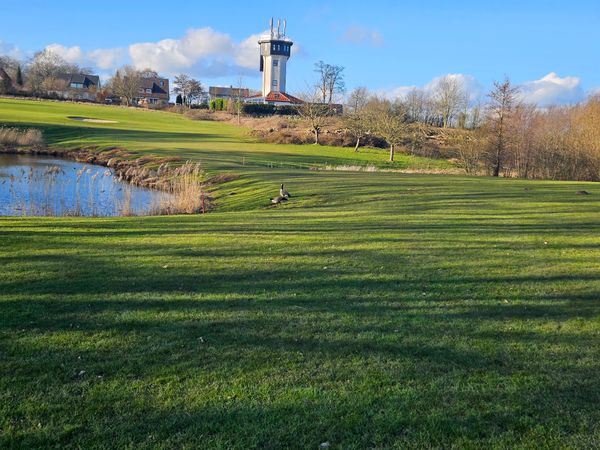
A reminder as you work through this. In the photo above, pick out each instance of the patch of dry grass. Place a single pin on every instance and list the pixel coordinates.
(186, 194)
(21, 138)
(372, 168)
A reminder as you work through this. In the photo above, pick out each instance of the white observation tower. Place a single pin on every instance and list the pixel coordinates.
(275, 50)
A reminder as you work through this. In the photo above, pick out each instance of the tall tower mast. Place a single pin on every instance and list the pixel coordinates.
(275, 50)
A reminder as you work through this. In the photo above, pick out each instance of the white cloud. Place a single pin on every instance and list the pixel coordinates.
(356, 34)
(247, 52)
(469, 83)
(104, 59)
(72, 55)
(107, 58)
(199, 48)
(398, 92)
(11, 50)
(552, 90)
(201, 52)
(549, 90)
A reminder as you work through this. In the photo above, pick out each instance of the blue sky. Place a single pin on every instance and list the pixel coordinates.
(552, 47)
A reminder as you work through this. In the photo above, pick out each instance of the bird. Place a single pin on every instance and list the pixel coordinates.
(277, 200)
(284, 193)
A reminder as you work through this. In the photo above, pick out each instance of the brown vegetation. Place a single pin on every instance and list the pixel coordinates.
(560, 143)
(14, 137)
(186, 189)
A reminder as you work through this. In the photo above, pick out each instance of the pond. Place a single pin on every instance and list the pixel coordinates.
(48, 186)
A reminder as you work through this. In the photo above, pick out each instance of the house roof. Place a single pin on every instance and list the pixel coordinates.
(154, 84)
(4, 75)
(80, 78)
(228, 91)
(282, 97)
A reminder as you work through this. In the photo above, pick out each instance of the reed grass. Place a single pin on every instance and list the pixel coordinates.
(22, 138)
(185, 194)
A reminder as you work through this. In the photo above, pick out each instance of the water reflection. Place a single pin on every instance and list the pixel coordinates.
(46, 186)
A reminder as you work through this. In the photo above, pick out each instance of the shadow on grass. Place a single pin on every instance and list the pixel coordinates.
(228, 332)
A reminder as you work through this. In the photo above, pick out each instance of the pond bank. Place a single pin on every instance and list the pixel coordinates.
(168, 174)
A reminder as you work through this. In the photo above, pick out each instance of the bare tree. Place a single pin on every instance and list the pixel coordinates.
(416, 105)
(469, 147)
(148, 73)
(181, 87)
(389, 122)
(523, 131)
(47, 65)
(126, 84)
(449, 98)
(356, 120)
(475, 117)
(195, 91)
(462, 115)
(358, 98)
(503, 100)
(188, 88)
(6, 84)
(314, 113)
(357, 125)
(237, 99)
(11, 66)
(330, 81)
(55, 84)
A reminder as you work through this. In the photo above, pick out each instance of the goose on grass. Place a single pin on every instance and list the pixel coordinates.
(283, 192)
(277, 200)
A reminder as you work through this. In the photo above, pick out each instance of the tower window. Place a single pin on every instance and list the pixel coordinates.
(275, 62)
(274, 83)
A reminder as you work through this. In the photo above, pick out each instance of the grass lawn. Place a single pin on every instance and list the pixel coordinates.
(374, 310)
(220, 146)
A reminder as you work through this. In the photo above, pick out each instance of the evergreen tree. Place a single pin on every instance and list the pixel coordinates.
(19, 77)
(178, 100)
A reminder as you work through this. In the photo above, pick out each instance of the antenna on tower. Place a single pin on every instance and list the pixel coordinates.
(278, 28)
(271, 27)
(284, 26)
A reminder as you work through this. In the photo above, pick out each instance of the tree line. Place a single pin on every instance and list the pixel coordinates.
(43, 76)
(39, 76)
(517, 139)
(505, 136)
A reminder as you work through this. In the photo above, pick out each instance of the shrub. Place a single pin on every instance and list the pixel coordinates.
(286, 110)
(258, 109)
(264, 109)
(286, 137)
(217, 104)
(200, 114)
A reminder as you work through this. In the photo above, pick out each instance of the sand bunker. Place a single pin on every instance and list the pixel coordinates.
(88, 119)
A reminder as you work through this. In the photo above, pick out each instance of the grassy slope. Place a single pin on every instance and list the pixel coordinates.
(218, 145)
(374, 310)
